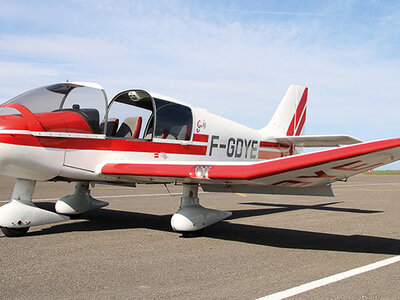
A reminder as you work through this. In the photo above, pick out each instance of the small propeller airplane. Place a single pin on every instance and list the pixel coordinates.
(69, 132)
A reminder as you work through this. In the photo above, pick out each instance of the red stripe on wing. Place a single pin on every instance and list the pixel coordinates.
(297, 162)
(258, 170)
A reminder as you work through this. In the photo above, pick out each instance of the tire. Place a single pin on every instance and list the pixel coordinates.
(14, 232)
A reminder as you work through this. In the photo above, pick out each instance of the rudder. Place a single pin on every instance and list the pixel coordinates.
(290, 116)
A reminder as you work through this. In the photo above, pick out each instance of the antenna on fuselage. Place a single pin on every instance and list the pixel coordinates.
(223, 111)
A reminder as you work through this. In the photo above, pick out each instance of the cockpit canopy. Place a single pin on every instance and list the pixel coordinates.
(86, 100)
(82, 108)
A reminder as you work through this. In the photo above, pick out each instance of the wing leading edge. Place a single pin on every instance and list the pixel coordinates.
(298, 174)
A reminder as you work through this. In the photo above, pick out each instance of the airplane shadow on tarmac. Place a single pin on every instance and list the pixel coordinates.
(107, 219)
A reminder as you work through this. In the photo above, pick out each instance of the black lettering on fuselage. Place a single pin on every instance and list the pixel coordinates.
(231, 147)
(247, 145)
(239, 148)
(213, 145)
(253, 152)
(235, 147)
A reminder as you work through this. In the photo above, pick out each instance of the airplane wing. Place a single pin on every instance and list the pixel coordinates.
(307, 174)
(318, 140)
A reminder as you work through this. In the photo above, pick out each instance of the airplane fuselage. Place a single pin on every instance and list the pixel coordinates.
(47, 155)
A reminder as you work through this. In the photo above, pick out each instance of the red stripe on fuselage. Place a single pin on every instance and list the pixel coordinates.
(273, 145)
(271, 154)
(200, 137)
(101, 144)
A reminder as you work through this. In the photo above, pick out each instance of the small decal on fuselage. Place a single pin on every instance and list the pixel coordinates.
(201, 124)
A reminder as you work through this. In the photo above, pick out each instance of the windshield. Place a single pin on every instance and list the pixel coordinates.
(43, 99)
(62, 96)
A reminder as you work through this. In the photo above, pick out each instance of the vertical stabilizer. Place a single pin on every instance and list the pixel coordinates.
(290, 116)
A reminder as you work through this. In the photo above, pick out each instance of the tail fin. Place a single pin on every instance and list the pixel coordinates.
(290, 116)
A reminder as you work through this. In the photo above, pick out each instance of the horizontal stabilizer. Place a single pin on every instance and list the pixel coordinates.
(318, 140)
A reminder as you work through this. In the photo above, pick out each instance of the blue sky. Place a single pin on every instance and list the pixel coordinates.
(235, 57)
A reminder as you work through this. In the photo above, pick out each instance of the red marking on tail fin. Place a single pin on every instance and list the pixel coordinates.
(301, 124)
(298, 120)
(291, 128)
(301, 106)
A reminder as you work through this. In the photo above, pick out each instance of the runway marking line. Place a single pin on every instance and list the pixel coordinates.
(330, 279)
(370, 184)
(240, 194)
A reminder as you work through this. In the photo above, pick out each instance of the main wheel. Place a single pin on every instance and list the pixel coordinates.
(14, 232)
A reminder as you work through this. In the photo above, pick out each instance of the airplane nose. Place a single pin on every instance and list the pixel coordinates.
(11, 160)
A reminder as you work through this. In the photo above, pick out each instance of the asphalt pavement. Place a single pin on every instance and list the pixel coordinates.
(270, 244)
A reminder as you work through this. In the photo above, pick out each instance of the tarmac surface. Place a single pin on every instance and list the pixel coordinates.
(270, 244)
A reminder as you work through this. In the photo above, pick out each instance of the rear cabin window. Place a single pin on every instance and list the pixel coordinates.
(173, 121)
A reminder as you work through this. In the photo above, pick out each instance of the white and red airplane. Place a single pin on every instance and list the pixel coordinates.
(69, 132)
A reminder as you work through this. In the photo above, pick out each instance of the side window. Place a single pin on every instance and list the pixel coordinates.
(173, 121)
(130, 119)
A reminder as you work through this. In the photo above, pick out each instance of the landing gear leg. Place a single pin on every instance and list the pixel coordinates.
(192, 218)
(20, 213)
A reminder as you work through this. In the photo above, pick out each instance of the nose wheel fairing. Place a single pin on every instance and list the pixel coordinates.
(21, 213)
